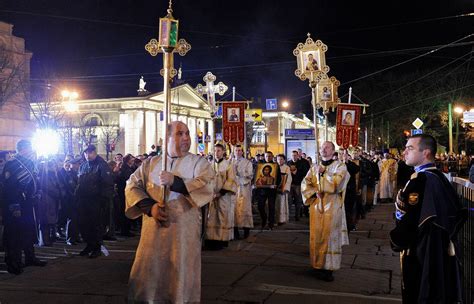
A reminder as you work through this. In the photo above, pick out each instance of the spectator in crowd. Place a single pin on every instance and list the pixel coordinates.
(48, 205)
(125, 170)
(68, 181)
(94, 190)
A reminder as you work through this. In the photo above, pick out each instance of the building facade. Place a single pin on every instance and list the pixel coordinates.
(132, 125)
(15, 123)
(270, 133)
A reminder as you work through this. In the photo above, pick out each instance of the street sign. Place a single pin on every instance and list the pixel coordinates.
(417, 123)
(416, 131)
(218, 136)
(201, 148)
(299, 133)
(271, 104)
(208, 138)
(468, 117)
(219, 111)
(252, 115)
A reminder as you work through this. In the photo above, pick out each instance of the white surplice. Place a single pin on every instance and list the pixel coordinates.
(328, 227)
(281, 202)
(220, 223)
(167, 266)
(243, 206)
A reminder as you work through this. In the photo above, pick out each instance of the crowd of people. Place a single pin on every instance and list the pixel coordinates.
(77, 199)
(87, 200)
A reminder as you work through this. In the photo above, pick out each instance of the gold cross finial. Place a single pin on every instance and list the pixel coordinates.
(309, 35)
(170, 10)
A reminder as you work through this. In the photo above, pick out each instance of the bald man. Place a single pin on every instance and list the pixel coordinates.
(167, 266)
(323, 191)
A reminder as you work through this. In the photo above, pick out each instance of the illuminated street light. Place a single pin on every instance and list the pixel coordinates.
(71, 106)
(285, 104)
(46, 142)
(459, 109)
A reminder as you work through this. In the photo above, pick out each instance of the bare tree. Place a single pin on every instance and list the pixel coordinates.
(12, 75)
(111, 135)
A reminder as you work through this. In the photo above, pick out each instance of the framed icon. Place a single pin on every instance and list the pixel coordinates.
(266, 175)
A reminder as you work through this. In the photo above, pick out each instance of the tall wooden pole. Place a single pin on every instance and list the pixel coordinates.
(450, 126)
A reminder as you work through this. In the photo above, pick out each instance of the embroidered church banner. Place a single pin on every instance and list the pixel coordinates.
(233, 119)
(347, 125)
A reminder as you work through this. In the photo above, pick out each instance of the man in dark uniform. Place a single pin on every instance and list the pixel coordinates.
(428, 219)
(94, 190)
(21, 192)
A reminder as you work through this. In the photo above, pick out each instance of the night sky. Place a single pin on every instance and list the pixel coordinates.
(97, 47)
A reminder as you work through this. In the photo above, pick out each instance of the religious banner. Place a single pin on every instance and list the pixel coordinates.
(233, 120)
(347, 125)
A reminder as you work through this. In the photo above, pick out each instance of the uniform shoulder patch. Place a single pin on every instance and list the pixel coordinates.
(413, 198)
(414, 175)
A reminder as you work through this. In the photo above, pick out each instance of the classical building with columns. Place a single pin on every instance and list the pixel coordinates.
(135, 122)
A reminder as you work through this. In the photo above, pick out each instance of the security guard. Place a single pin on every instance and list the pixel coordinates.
(21, 192)
(428, 218)
(94, 190)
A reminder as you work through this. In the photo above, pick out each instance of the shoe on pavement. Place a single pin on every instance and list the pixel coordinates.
(14, 270)
(85, 251)
(95, 254)
(35, 262)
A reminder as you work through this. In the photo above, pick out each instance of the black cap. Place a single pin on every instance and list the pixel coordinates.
(89, 148)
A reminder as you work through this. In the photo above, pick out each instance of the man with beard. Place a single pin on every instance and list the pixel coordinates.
(94, 190)
(428, 218)
(167, 266)
(323, 189)
(21, 184)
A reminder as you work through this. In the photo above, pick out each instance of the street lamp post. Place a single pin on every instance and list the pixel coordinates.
(458, 110)
(70, 105)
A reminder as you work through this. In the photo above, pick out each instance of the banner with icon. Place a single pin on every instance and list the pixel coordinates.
(233, 120)
(347, 125)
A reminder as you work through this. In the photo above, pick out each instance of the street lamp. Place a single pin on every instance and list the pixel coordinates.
(285, 104)
(458, 110)
(71, 106)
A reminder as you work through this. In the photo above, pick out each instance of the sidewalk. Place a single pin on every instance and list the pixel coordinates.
(269, 267)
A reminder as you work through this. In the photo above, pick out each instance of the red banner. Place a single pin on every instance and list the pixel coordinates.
(347, 124)
(233, 119)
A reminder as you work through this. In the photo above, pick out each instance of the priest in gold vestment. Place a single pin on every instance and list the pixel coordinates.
(167, 266)
(323, 191)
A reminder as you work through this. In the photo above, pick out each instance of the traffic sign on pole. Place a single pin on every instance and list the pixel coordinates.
(252, 115)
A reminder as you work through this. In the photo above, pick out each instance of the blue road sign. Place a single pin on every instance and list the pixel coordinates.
(271, 104)
(416, 131)
(201, 148)
(218, 136)
(219, 111)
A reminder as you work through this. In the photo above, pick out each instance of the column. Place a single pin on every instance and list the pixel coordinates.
(212, 134)
(150, 119)
(142, 129)
(191, 123)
